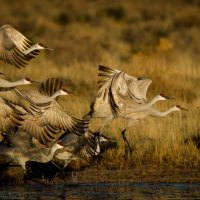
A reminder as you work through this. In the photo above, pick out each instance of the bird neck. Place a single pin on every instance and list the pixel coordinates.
(48, 99)
(14, 83)
(157, 113)
(52, 151)
(149, 104)
(56, 94)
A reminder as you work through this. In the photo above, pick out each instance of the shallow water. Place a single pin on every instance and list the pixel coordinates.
(102, 190)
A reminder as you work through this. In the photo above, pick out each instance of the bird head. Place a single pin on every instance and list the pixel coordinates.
(164, 97)
(178, 107)
(59, 145)
(64, 91)
(29, 81)
(41, 46)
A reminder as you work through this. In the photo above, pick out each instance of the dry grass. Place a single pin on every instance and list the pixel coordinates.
(142, 39)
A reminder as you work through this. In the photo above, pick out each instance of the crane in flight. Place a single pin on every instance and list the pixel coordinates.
(15, 48)
(54, 121)
(123, 96)
(22, 150)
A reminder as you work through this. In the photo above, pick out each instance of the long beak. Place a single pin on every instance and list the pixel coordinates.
(182, 108)
(169, 98)
(45, 47)
(67, 91)
(32, 81)
(70, 92)
(49, 48)
(166, 97)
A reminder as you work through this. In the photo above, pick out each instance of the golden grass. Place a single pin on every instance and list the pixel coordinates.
(141, 38)
(154, 140)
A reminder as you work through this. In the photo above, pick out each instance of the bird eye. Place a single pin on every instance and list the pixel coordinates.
(41, 44)
(27, 79)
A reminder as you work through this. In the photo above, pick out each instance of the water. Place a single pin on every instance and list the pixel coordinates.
(104, 191)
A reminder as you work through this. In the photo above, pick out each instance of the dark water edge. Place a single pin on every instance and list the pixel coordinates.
(103, 190)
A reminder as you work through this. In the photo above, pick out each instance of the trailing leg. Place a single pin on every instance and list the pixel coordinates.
(126, 143)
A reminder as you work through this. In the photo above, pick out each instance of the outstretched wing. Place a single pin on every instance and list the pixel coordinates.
(43, 132)
(50, 86)
(12, 45)
(106, 73)
(9, 118)
(57, 117)
(143, 85)
(15, 97)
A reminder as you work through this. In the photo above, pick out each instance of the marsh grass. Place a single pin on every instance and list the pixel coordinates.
(155, 141)
(141, 38)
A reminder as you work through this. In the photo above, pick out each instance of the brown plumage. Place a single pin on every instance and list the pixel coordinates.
(15, 48)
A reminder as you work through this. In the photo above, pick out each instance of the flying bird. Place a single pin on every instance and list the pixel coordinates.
(22, 150)
(54, 120)
(10, 94)
(15, 48)
(123, 96)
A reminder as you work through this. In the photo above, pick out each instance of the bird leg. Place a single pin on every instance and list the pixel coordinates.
(126, 143)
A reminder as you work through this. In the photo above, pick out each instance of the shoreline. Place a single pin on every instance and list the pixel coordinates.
(93, 175)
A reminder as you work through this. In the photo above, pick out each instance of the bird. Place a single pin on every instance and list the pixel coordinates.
(85, 147)
(123, 96)
(115, 89)
(150, 111)
(10, 118)
(48, 91)
(10, 93)
(15, 48)
(22, 151)
(54, 121)
(119, 93)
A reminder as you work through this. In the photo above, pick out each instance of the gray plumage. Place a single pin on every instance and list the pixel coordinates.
(15, 48)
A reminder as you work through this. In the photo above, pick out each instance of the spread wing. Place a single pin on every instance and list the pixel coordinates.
(15, 97)
(133, 87)
(42, 131)
(102, 97)
(60, 119)
(121, 97)
(50, 86)
(12, 45)
(143, 85)
(106, 73)
(9, 118)
(52, 124)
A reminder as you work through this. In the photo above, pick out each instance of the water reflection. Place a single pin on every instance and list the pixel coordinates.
(103, 191)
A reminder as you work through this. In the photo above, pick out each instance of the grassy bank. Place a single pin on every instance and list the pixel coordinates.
(154, 140)
(143, 39)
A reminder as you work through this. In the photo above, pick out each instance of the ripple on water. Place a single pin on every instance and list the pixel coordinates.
(103, 190)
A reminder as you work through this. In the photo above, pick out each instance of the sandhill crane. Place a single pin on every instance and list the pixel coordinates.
(132, 117)
(54, 121)
(86, 147)
(10, 118)
(48, 91)
(21, 153)
(9, 93)
(15, 48)
(120, 94)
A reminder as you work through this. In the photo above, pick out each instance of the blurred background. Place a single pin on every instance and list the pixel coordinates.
(153, 38)
(91, 29)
